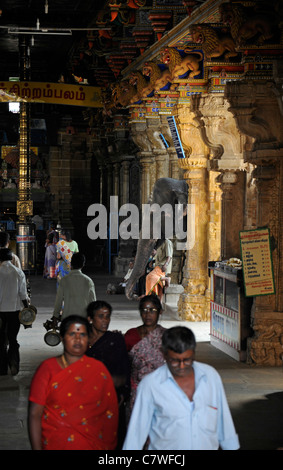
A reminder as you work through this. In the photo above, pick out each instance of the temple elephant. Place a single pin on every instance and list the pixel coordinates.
(168, 193)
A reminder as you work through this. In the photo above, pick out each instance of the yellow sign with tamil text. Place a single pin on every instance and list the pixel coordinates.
(257, 262)
(55, 93)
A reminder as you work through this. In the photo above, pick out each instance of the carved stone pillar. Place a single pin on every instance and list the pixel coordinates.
(124, 183)
(193, 303)
(101, 171)
(159, 152)
(139, 136)
(257, 113)
(147, 181)
(250, 200)
(116, 181)
(266, 346)
(233, 192)
(215, 216)
(109, 182)
(174, 170)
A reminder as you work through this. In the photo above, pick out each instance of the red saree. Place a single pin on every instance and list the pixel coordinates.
(80, 405)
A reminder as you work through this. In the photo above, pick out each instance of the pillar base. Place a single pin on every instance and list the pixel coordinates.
(193, 307)
(265, 347)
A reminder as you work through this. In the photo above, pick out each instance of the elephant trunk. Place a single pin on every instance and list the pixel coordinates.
(144, 251)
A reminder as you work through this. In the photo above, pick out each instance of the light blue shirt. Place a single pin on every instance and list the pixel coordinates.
(163, 412)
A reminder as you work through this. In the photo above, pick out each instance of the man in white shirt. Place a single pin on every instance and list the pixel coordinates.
(13, 296)
(182, 404)
(75, 291)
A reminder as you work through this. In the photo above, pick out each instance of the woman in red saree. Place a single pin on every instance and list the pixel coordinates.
(73, 402)
(144, 343)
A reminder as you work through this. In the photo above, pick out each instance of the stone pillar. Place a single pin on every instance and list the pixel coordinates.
(215, 216)
(159, 151)
(146, 162)
(257, 113)
(266, 345)
(139, 136)
(116, 180)
(124, 183)
(174, 170)
(233, 193)
(60, 181)
(101, 171)
(109, 182)
(193, 304)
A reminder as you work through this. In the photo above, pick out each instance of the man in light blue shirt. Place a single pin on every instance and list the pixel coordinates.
(181, 405)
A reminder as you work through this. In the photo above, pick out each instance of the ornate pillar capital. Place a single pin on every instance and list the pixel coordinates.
(193, 167)
(190, 133)
(219, 131)
(255, 108)
(139, 136)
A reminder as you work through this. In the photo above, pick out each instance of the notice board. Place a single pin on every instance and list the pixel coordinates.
(257, 262)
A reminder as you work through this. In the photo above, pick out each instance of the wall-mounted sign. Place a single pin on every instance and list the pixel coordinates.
(175, 136)
(56, 93)
(257, 262)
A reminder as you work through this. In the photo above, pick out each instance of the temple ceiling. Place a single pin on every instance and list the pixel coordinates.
(143, 51)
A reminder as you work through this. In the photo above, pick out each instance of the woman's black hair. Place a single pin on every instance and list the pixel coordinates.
(67, 234)
(178, 339)
(151, 298)
(97, 305)
(68, 321)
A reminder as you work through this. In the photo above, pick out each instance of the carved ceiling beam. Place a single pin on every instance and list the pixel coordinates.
(172, 36)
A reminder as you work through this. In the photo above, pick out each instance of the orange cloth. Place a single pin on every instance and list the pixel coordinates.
(153, 283)
(80, 405)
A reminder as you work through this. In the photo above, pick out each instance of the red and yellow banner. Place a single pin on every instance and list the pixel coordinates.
(55, 93)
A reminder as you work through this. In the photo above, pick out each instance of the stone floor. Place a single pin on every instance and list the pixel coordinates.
(254, 393)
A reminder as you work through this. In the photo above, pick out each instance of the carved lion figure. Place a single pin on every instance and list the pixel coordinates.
(122, 93)
(211, 43)
(179, 65)
(144, 88)
(246, 25)
(158, 78)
